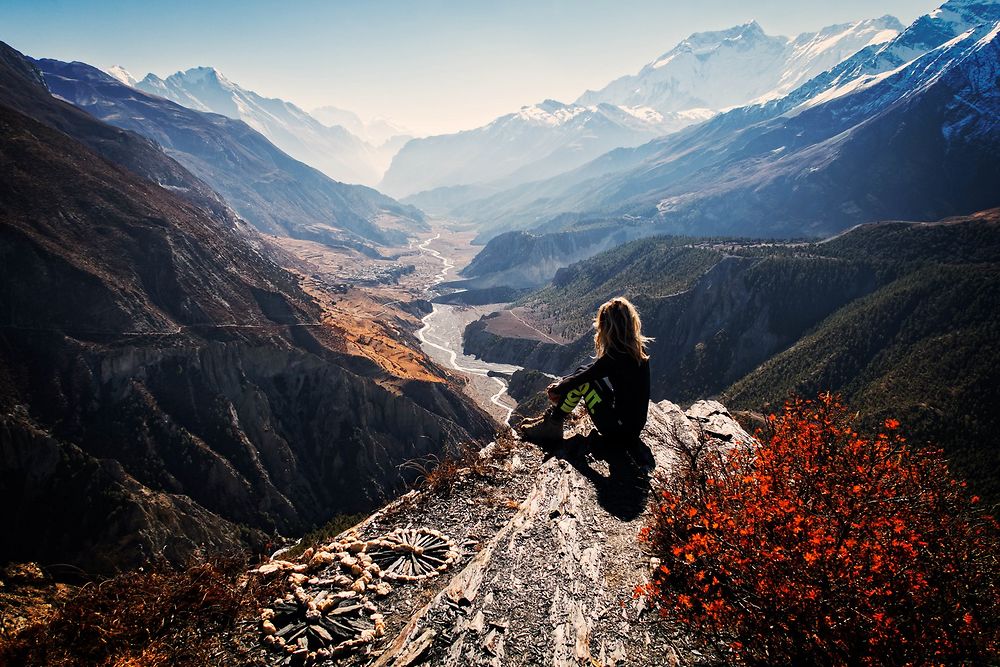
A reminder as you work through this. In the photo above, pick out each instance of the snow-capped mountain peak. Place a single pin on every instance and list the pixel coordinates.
(724, 68)
(703, 44)
(122, 74)
(333, 150)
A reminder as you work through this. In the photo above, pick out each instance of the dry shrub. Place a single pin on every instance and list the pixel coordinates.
(159, 615)
(819, 545)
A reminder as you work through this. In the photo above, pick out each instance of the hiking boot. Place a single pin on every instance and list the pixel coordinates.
(541, 429)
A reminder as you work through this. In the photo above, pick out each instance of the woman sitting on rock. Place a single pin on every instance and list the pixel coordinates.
(614, 388)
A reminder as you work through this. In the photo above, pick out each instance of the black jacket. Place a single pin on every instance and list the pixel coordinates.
(629, 380)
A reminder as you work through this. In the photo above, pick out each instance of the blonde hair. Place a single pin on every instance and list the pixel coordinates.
(619, 329)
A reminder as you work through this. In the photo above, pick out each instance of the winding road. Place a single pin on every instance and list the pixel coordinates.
(442, 331)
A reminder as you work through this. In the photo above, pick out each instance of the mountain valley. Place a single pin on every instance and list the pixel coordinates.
(263, 371)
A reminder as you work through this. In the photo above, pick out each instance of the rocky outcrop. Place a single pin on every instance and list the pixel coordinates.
(547, 560)
(527, 387)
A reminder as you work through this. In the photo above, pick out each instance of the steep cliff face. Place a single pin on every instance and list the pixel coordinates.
(63, 501)
(221, 435)
(163, 383)
(479, 340)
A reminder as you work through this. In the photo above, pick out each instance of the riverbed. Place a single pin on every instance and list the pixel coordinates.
(441, 339)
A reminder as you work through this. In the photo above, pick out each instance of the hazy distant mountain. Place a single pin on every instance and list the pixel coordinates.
(276, 193)
(536, 142)
(704, 74)
(726, 68)
(375, 132)
(333, 150)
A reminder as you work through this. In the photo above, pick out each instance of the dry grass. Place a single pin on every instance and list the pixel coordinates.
(440, 475)
(155, 616)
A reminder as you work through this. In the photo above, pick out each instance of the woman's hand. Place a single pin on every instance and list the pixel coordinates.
(551, 391)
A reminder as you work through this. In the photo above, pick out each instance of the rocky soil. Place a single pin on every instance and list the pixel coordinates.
(545, 559)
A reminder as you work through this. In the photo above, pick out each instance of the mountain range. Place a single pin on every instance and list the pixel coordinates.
(276, 193)
(333, 149)
(869, 139)
(165, 386)
(706, 73)
(721, 69)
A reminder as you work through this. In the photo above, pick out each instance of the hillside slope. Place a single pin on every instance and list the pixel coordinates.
(275, 193)
(896, 316)
(164, 386)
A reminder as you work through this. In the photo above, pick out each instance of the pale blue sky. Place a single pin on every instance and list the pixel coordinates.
(431, 65)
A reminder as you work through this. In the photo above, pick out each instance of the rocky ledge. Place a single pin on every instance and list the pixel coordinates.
(538, 566)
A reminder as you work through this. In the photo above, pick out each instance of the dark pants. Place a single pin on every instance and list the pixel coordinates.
(599, 399)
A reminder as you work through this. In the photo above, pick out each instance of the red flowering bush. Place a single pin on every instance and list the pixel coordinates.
(819, 545)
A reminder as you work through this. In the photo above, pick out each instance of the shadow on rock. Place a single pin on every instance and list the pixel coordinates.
(624, 490)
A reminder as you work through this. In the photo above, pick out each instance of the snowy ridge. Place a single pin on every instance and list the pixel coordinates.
(122, 74)
(333, 150)
(926, 33)
(727, 68)
(707, 73)
(912, 77)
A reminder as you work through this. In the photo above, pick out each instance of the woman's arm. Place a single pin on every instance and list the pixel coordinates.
(595, 371)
